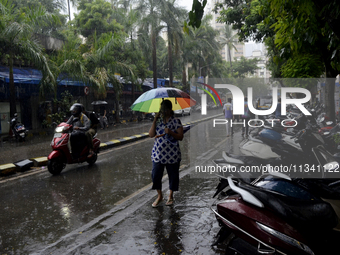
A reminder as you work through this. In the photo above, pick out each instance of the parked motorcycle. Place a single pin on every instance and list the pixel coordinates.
(19, 132)
(267, 145)
(277, 215)
(62, 155)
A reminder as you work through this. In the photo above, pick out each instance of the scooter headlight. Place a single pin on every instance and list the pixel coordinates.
(286, 238)
(59, 129)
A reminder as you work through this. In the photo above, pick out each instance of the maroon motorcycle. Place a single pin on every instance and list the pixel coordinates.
(277, 215)
(62, 155)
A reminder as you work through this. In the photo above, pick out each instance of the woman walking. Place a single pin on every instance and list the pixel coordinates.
(167, 131)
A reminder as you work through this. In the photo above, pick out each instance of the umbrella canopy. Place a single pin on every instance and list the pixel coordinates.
(98, 102)
(150, 101)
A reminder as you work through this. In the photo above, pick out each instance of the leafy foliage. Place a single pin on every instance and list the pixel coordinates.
(62, 109)
(244, 67)
(196, 14)
(96, 17)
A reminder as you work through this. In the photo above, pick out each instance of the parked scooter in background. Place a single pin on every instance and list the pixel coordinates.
(275, 214)
(18, 129)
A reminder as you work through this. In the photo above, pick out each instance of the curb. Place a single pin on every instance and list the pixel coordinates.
(10, 168)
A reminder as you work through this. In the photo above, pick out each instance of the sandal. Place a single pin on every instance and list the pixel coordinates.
(157, 202)
(169, 202)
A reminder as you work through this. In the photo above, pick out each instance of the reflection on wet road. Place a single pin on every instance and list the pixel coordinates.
(188, 227)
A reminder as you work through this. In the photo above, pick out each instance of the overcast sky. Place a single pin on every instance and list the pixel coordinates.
(183, 3)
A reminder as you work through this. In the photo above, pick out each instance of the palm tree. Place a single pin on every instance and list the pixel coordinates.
(173, 17)
(74, 3)
(151, 24)
(102, 64)
(228, 38)
(132, 19)
(16, 38)
(201, 46)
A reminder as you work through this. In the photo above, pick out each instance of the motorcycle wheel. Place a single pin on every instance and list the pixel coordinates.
(55, 167)
(93, 159)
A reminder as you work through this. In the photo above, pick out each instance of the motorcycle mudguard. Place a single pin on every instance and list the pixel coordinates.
(96, 144)
(55, 154)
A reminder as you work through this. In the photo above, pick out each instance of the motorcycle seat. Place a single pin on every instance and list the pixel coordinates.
(309, 215)
(231, 160)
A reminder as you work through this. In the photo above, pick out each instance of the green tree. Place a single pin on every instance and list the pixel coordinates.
(96, 17)
(69, 62)
(196, 14)
(244, 67)
(55, 7)
(151, 26)
(201, 47)
(173, 18)
(309, 32)
(16, 39)
(228, 38)
(292, 32)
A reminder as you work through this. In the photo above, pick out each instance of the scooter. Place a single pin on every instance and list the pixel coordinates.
(269, 146)
(18, 129)
(276, 215)
(62, 155)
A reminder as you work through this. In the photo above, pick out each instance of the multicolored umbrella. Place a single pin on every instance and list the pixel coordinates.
(150, 101)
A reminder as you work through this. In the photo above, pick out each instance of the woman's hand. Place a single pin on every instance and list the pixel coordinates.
(158, 115)
(152, 131)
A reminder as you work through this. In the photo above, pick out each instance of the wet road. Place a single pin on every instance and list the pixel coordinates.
(41, 209)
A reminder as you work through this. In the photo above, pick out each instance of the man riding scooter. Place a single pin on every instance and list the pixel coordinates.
(81, 124)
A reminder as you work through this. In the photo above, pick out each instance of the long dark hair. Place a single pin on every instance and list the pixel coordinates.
(168, 105)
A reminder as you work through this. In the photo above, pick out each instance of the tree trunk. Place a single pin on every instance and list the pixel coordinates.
(154, 58)
(170, 58)
(229, 53)
(184, 77)
(231, 66)
(12, 104)
(133, 86)
(69, 10)
(117, 108)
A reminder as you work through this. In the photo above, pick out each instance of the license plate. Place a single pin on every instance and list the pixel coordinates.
(57, 135)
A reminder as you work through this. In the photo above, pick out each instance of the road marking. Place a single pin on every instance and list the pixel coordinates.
(31, 172)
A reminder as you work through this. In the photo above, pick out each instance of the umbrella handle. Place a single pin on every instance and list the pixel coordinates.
(157, 136)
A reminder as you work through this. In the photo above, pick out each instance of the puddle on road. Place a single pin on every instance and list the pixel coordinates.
(188, 227)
